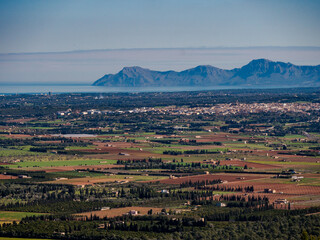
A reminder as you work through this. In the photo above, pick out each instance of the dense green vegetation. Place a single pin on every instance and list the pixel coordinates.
(284, 225)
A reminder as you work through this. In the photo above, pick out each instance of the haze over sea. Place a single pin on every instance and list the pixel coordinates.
(44, 89)
(55, 89)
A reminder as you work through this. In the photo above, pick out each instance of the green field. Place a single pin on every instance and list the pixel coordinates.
(6, 238)
(77, 174)
(80, 148)
(8, 216)
(292, 136)
(47, 128)
(31, 164)
(258, 146)
(287, 163)
(10, 152)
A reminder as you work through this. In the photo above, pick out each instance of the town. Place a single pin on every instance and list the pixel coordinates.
(221, 109)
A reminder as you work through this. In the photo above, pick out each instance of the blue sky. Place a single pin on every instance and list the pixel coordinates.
(64, 25)
(157, 34)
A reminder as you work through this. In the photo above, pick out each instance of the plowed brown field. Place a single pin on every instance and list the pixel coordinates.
(120, 211)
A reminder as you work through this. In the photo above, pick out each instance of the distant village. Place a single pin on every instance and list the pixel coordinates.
(220, 109)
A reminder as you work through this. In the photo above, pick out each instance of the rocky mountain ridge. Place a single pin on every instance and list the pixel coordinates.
(257, 73)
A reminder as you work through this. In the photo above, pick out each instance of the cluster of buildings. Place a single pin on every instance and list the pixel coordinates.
(226, 109)
(305, 108)
(220, 109)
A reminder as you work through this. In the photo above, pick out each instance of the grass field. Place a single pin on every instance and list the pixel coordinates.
(9, 152)
(31, 164)
(287, 163)
(6, 238)
(310, 182)
(80, 148)
(8, 216)
(47, 128)
(249, 145)
(76, 174)
(303, 182)
(292, 136)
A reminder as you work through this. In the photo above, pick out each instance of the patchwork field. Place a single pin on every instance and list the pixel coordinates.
(224, 164)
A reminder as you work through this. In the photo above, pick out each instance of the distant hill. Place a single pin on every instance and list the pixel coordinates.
(257, 73)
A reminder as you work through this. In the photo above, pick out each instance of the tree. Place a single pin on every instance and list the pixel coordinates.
(304, 235)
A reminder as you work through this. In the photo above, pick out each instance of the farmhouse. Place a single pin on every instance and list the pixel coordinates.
(133, 212)
(296, 178)
(105, 208)
(101, 226)
(281, 201)
(124, 154)
(93, 111)
(269, 190)
(165, 191)
(60, 178)
(221, 204)
(23, 176)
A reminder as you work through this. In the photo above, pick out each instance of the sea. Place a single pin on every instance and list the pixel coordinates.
(6, 89)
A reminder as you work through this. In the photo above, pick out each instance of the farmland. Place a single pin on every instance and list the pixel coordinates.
(198, 171)
(58, 163)
(9, 238)
(120, 211)
(7, 216)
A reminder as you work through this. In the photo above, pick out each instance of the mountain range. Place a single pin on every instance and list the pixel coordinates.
(257, 73)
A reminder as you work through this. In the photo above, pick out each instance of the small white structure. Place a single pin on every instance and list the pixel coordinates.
(165, 191)
(60, 178)
(23, 176)
(269, 190)
(281, 201)
(296, 178)
(221, 204)
(105, 208)
(133, 212)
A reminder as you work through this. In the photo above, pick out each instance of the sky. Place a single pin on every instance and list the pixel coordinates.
(43, 41)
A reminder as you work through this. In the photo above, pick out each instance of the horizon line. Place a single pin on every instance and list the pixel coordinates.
(164, 48)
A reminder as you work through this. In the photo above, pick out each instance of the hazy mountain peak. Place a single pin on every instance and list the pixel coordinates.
(134, 69)
(260, 60)
(205, 67)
